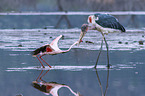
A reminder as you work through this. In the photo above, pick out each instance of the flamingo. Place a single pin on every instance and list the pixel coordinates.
(103, 23)
(51, 49)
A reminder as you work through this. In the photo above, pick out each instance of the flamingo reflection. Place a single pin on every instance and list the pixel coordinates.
(50, 87)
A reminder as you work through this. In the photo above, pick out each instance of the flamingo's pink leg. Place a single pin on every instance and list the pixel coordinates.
(44, 75)
(40, 62)
(39, 76)
(44, 60)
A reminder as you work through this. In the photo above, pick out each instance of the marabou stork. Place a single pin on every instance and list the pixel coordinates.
(103, 23)
(51, 49)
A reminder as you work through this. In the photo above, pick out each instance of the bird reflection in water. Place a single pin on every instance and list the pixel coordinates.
(103, 92)
(50, 87)
(108, 68)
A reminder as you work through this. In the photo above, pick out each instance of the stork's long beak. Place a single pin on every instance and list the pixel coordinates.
(84, 29)
(81, 37)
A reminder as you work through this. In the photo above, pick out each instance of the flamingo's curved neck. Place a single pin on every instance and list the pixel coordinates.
(71, 90)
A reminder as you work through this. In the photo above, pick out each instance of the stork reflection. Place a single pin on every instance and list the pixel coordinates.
(108, 68)
(100, 84)
(50, 87)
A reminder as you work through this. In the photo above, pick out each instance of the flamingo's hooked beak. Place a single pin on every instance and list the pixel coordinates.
(84, 30)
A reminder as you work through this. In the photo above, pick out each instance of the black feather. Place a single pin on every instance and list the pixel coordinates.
(108, 21)
(41, 49)
(39, 87)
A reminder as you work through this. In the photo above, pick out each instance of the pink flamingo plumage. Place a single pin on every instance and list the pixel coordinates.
(51, 49)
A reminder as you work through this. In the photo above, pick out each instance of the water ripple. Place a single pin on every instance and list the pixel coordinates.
(30, 39)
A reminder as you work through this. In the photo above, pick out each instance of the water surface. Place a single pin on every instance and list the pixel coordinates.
(126, 77)
(75, 68)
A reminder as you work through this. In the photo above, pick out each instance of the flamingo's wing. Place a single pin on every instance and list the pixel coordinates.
(39, 50)
(54, 43)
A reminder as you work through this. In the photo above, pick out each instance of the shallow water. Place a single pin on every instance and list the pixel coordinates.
(27, 25)
(30, 39)
(75, 68)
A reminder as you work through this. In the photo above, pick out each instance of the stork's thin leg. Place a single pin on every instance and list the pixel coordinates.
(99, 82)
(40, 61)
(107, 81)
(103, 94)
(107, 51)
(99, 54)
(106, 48)
(44, 60)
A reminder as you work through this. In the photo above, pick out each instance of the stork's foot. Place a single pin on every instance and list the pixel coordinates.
(109, 65)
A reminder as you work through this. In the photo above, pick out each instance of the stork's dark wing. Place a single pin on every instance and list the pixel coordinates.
(108, 21)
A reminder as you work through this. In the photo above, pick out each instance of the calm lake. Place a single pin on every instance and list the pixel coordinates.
(75, 68)
(29, 24)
